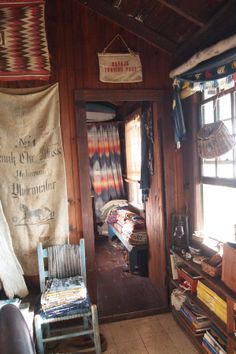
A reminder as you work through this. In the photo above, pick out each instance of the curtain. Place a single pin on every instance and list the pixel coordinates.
(105, 164)
(146, 151)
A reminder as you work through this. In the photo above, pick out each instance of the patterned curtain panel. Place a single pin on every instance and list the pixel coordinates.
(105, 166)
(23, 44)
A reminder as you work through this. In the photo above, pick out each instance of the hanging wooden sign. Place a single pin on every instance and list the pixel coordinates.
(119, 67)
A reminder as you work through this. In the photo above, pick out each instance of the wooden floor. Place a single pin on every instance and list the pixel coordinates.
(122, 295)
(158, 334)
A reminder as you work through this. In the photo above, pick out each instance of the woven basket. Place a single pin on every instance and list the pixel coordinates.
(213, 271)
(214, 140)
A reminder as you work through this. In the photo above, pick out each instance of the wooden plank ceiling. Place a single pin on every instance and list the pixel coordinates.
(179, 27)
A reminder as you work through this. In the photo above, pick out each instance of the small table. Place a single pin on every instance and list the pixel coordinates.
(137, 253)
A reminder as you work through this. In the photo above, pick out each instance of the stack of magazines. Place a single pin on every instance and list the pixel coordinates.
(194, 317)
(64, 296)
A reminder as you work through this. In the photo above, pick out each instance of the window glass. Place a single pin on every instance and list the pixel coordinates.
(219, 212)
(133, 148)
(225, 107)
(208, 113)
(133, 160)
(209, 168)
(209, 93)
(225, 170)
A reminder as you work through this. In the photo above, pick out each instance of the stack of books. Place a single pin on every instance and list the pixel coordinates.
(214, 341)
(195, 318)
(215, 303)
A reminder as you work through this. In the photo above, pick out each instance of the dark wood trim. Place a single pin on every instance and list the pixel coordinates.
(219, 181)
(130, 24)
(86, 198)
(121, 95)
(135, 314)
(154, 207)
(192, 183)
(182, 13)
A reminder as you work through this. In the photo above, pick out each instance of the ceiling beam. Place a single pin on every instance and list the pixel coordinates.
(182, 13)
(130, 24)
(220, 25)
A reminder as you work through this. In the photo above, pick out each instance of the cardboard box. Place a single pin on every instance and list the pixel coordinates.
(229, 265)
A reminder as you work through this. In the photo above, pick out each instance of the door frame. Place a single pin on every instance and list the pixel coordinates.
(137, 95)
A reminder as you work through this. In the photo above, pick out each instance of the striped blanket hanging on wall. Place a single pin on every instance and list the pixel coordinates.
(23, 44)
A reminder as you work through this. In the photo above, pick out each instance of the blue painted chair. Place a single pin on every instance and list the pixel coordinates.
(87, 318)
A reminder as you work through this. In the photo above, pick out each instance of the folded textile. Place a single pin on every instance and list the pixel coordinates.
(138, 238)
(63, 296)
(109, 206)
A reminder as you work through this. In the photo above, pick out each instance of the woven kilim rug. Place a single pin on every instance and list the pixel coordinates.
(23, 44)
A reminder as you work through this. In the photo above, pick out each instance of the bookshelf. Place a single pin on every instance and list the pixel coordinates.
(217, 286)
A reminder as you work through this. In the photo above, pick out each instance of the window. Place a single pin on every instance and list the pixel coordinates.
(133, 160)
(218, 175)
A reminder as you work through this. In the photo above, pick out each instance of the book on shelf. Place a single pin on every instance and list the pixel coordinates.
(202, 323)
(208, 347)
(192, 318)
(174, 260)
(207, 350)
(209, 338)
(195, 311)
(218, 334)
(196, 330)
(190, 272)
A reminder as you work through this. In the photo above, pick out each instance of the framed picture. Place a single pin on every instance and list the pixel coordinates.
(180, 231)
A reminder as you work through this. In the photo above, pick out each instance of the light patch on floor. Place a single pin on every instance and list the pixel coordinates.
(158, 334)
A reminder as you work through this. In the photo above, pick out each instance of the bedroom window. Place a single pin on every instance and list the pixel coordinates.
(133, 160)
(218, 175)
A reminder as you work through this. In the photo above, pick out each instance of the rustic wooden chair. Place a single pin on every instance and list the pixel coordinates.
(87, 317)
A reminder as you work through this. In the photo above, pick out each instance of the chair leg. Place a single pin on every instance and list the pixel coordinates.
(85, 322)
(39, 334)
(97, 342)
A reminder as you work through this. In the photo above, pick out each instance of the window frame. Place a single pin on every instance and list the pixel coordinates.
(228, 182)
(215, 181)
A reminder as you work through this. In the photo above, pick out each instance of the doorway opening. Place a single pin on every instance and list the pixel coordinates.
(127, 285)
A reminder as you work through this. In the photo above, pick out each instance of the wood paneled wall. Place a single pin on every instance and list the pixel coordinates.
(75, 35)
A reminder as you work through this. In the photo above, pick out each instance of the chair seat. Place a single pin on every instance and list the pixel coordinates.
(80, 312)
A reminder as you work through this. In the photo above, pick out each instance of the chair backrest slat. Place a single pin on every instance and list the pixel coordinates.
(82, 260)
(43, 272)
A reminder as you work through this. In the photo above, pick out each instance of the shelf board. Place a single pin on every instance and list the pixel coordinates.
(233, 338)
(215, 283)
(214, 318)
